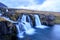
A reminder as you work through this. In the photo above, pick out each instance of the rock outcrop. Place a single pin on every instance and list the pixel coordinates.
(48, 20)
(7, 30)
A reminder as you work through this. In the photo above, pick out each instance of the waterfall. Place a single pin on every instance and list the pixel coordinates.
(38, 22)
(23, 18)
(17, 24)
(24, 27)
(27, 26)
(0, 14)
(20, 29)
(29, 20)
(28, 29)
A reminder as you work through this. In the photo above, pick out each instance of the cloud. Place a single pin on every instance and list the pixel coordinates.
(15, 3)
(47, 5)
(51, 5)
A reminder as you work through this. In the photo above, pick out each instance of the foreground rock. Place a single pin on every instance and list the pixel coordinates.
(7, 31)
(48, 20)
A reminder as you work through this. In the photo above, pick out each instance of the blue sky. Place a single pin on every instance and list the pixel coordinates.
(42, 5)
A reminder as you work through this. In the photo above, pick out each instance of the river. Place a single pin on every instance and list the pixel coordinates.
(51, 33)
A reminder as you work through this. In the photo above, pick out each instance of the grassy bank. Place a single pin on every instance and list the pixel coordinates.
(57, 20)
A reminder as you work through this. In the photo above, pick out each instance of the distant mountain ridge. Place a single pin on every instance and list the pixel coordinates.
(28, 11)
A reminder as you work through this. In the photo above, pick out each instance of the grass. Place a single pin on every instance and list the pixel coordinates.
(57, 20)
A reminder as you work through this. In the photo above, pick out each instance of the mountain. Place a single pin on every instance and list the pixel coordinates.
(2, 5)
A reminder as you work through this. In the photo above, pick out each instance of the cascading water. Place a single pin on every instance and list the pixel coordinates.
(17, 24)
(21, 25)
(29, 20)
(20, 29)
(24, 26)
(23, 18)
(27, 26)
(38, 22)
(0, 14)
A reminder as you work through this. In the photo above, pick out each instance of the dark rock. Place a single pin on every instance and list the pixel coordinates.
(47, 19)
(44, 23)
(42, 16)
(3, 28)
(8, 30)
(50, 17)
(50, 20)
(33, 20)
(29, 19)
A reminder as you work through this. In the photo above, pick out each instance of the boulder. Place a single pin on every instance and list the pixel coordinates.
(50, 20)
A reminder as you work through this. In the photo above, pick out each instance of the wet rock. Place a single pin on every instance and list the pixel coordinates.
(33, 20)
(50, 17)
(42, 16)
(47, 19)
(50, 20)
(29, 19)
(7, 30)
(3, 28)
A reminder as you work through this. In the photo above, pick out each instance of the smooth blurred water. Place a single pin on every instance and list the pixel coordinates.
(23, 18)
(26, 27)
(38, 22)
(51, 33)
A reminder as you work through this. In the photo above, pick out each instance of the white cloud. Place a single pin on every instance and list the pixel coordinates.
(51, 5)
(48, 5)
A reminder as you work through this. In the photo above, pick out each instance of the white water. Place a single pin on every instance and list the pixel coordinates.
(38, 22)
(24, 27)
(23, 18)
(27, 26)
(0, 14)
(19, 27)
(21, 23)
(20, 33)
(28, 29)
(29, 20)
(9, 20)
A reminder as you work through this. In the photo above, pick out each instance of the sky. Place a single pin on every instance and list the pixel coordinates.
(41, 5)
